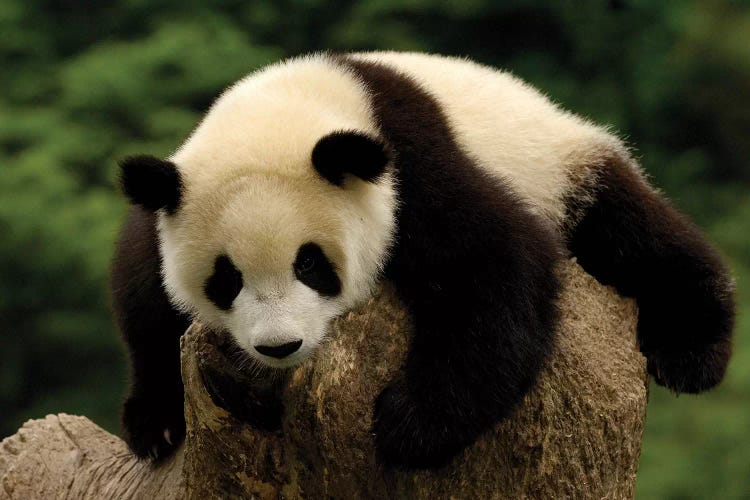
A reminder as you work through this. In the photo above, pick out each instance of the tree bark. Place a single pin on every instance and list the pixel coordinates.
(577, 434)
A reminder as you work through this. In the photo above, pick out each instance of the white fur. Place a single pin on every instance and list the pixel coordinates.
(250, 190)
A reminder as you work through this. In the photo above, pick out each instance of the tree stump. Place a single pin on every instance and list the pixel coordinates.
(577, 434)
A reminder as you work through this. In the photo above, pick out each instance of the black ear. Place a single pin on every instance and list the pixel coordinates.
(151, 182)
(349, 152)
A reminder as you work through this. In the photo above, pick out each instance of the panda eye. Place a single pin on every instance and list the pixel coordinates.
(305, 263)
(313, 269)
(224, 284)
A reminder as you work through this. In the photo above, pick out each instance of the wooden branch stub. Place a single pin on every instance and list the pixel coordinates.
(65, 456)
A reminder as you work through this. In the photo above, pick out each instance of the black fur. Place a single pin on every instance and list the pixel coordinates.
(224, 284)
(314, 269)
(347, 152)
(633, 239)
(151, 182)
(476, 271)
(152, 330)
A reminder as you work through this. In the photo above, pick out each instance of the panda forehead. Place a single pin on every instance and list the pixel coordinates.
(271, 121)
(261, 220)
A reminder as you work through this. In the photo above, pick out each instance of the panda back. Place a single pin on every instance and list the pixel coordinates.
(509, 128)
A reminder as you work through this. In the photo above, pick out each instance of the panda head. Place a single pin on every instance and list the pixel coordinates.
(277, 214)
(271, 257)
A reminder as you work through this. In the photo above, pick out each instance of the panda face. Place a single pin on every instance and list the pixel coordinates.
(275, 259)
(269, 259)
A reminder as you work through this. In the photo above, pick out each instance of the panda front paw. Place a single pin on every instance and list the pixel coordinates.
(153, 429)
(692, 370)
(409, 435)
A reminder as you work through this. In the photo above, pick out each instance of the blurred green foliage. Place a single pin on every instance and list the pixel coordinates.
(86, 82)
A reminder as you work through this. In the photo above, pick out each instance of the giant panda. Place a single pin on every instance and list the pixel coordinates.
(311, 180)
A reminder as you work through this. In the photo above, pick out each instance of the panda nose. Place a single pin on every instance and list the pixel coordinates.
(279, 351)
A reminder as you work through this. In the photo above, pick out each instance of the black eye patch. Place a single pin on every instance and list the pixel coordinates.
(313, 268)
(224, 284)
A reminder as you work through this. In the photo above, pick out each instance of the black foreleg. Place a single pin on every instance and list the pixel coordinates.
(483, 301)
(152, 418)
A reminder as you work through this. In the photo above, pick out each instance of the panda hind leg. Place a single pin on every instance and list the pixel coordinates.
(630, 237)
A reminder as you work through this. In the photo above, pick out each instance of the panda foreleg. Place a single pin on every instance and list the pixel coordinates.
(632, 238)
(153, 420)
(479, 281)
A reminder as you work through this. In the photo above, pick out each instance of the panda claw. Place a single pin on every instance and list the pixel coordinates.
(152, 432)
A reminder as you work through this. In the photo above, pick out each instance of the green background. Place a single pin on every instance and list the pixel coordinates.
(87, 82)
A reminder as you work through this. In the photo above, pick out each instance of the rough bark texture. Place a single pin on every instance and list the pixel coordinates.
(578, 434)
(64, 456)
